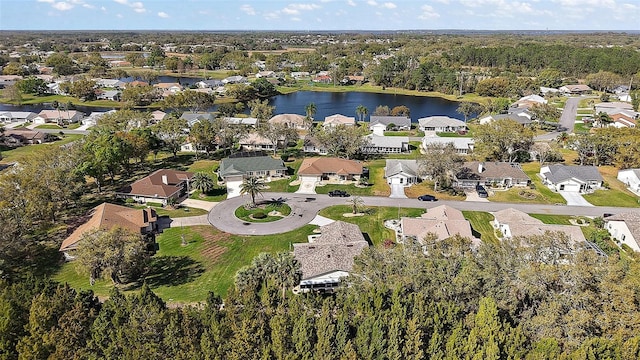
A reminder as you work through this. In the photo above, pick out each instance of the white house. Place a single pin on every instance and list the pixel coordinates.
(515, 223)
(393, 122)
(376, 144)
(571, 178)
(462, 145)
(631, 178)
(17, 116)
(338, 119)
(402, 172)
(625, 228)
(441, 124)
(58, 116)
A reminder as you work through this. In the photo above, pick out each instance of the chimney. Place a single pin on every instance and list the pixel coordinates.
(480, 167)
(165, 180)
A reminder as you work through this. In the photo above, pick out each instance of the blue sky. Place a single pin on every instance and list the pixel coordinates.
(319, 15)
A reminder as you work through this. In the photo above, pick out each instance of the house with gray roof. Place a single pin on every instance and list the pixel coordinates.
(234, 169)
(328, 257)
(625, 228)
(236, 79)
(403, 172)
(493, 174)
(249, 121)
(463, 145)
(16, 116)
(376, 144)
(396, 122)
(583, 179)
(631, 178)
(209, 84)
(441, 124)
(194, 117)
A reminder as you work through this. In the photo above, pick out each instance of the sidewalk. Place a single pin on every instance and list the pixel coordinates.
(199, 204)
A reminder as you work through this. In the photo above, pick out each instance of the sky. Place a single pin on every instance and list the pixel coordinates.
(318, 15)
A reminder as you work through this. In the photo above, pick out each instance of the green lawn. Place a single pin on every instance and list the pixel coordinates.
(19, 153)
(480, 225)
(219, 193)
(247, 214)
(541, 194)
(612, 197)
(469, 134)
(185, 274)
(372, 223)
(180, 212)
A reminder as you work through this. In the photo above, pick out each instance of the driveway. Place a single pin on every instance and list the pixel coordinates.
(307, 186)
(198, 204)
(233, 189)
(574, 198)
(397, 191)
(473, 196)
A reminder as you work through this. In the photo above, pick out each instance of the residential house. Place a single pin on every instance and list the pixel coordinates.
(194, 117)
(170, 88)
(376, 144)
(328, 257)
(59, 117)
(160, 186)
(94, 117)
(255, 142)
(442, 221)
(463, 145)
(17, 116)
(521, 118)
(191, 148)
(338, 119)
(559, 177)
(312, 145)
(631, 178)
(612, 107)
(107, 216)
(515, 223)
(402, 172)
(394, 123)
(110, 83)
(54, 88)
(330, 169)
(352, 80)
(234, 169)
(300, 74)
(157, 116)
(625, 228)
(494, 174)
(209, 84)
(292, 121)
(8, 80)
(265, 74)
(113, 95)
(575, 89)
(20, 137)
(248, 121)
(236, 79)
(526, 102)
(323, 79)
(548, 91)
(441, 124)
(621, 120)
(136, 83)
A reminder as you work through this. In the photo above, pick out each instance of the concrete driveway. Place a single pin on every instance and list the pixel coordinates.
(574, 198)
(198, 204)
(397, 191)
(307, 186)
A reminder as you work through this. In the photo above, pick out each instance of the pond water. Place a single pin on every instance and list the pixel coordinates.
(326, 103)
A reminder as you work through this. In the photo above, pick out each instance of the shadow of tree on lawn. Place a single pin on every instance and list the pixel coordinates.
(173, 270)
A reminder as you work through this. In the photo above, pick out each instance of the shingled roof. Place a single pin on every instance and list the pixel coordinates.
(395, 167)
(631, 219)
(559, 173)
(242, 165)
(443, 221)
(325, 165)
(522, 224)
(107, 216)
(154, 185)
(334, 250)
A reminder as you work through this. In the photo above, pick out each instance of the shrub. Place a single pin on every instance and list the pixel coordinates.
(259, 214)
(129, 201)
(154, 204)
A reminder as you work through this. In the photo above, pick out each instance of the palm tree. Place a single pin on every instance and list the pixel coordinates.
(310, 109)
(362, 112)
(563, 138)
(252, 186)
(203, 183)
(356, 203)
(604, 119)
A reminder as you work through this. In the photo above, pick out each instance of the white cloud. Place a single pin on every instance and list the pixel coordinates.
(304, 6)
(295, 19)
(103, 8)
(351, 3)
(290, 11)
(428, 12)
(137, 6)
(248, 9)
(123, 2)
(62, 6)
(88, 6)
(163, 14)
(372, 2)
(389, 5)
(271, 15)
(446, 2)
(46, 1)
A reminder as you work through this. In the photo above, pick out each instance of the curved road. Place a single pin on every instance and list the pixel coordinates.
(303, 210)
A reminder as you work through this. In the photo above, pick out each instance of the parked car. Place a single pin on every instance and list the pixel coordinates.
(338, 193)
(427, 197)
(482, 192)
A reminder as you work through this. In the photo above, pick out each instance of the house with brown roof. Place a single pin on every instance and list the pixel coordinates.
(515, 223)
(292, 121)
(575, 89)
(59, 117)
(159, 186)
(328, 257)
(19, 137)
(107, 216)
(625, 228)
(168, 87)
(442, 221)
(329, 169)
(494, 174)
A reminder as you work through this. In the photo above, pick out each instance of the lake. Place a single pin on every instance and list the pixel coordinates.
(327, 104)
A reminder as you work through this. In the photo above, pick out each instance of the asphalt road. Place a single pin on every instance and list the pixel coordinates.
(568, 117)
(303, 210)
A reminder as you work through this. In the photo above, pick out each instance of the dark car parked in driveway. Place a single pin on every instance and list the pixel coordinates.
(338, 193)
(482, 192)
(427, 197)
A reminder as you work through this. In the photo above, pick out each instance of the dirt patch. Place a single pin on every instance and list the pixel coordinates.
(211, 248)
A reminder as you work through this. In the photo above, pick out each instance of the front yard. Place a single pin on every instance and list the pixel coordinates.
(616, 195)
(541, 194)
